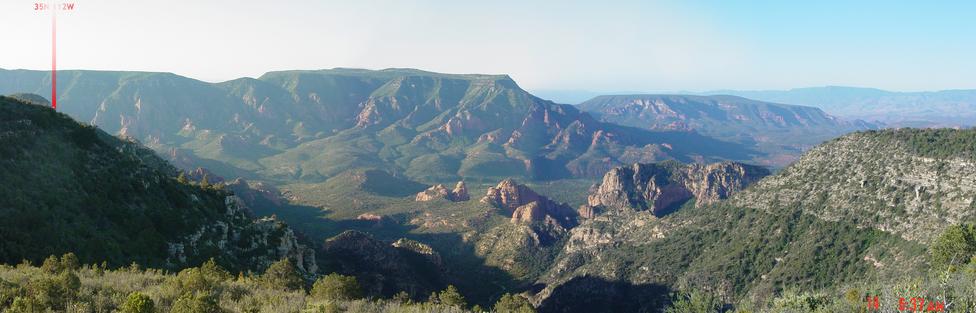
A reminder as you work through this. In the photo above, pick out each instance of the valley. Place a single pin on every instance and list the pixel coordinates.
(412, 182)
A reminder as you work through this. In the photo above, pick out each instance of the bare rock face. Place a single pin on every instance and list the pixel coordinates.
(663, 187)
(434, 192)
(587, 212)
(528, 213)
(199, 173)
(439, 191)
(527, 206)
(460, 192)
(509, 195)
(375, 219)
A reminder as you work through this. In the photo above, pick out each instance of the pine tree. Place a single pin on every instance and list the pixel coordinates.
(452, 297)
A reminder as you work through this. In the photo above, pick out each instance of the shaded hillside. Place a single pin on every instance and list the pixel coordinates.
(311, 125)
(782, 130)
(69, 187)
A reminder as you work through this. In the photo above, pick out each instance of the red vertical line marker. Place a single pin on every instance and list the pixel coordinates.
(54, 56)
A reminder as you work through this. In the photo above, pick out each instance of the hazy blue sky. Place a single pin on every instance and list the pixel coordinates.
(593, 45)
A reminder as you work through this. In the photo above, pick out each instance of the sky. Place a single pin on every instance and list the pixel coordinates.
(557, 45)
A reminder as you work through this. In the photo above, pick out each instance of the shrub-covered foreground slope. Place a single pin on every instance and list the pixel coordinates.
(68, 187)
(63, 285)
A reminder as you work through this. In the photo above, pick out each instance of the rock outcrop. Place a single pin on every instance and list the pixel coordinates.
(460, 192)
(439, 191)
(663, 187)
(526, 206)
(244, 240)
(255, 192)
(509, 195)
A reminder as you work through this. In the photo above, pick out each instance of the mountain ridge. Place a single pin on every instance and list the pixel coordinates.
(783, 131)
(311, 125)
(941, 108)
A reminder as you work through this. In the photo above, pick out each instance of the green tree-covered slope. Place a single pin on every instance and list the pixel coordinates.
(312, 125)
(69, 187)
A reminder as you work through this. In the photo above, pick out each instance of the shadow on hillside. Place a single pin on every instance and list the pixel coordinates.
(593, 294)
(479, 283)
(674, 207)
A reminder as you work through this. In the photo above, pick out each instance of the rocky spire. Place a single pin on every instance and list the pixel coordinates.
(527, 206)
(460, 192)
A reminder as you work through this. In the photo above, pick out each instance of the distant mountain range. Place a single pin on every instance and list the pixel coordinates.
(916, 109)
(946, 108)
(311, 125)
(782, 131)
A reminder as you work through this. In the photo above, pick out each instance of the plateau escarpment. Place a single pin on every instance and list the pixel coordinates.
(309, 126)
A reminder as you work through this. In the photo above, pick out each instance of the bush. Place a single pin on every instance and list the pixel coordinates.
(328, 307)
(336, 287)
(25, 305)
(801, 302)
(956, 245)
(283, 275)
(513, 304)
(55, 291)
(198, 302)
(51, 265)
(9, 292)
(69, 261)
(695, 302)
(194, 280)
(213, 271)
(400, 297)
(137, 303)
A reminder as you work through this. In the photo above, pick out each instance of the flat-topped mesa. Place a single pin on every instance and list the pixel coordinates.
(439, 191)
(663, 187)
(526, 206)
